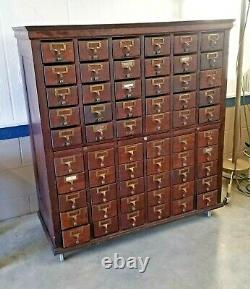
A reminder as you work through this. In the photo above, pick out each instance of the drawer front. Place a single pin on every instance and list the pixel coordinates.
(60, 74)
(158, 197)
(211, 60)
(64, 117)
(209, 114)
(183, 206)
(57, 52)
(158, 181)
(182, 159)
(207, 200)
(93, 49)
(72, 201)
(158, 212)
(130, 153)
(62, 96)
(212, 41)
(94, 72)
(158, 165)
(133, 203)
(99, 132)
(128, 89)
(97, 113)
(105, 227)
(101, 158)
(101, 177)
(207, 169)
(95, 93)
(182, 175)
(129, 127)
(158, 104)
(184, 82)
(157, 45)
(126, 69)
(76, 236)
(185, 63)
(207, 154)
(70, 183)
(66, 137)
(104, 211)
(103, 194)
(207, 184)
(209, 97)
(185, 43)
(131, 170)
(183, 142)
(184, 100)
(184, 117)
(127, 109)
(208, 137)
(157, 66)
(158, 148)
(158, 122)
(132, 220)
(157, 86)
(74, 218)
(131, 187)
(125, 48)
(183, 191)
(210, 78)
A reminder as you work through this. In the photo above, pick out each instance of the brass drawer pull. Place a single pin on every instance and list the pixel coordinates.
(208, 153)
(157, 104)
(184, 99)
(132, 218)
(158, 196)
(186, 42)
(72, 198)
(66, 134)
(100, 156)
(158, 149)
(129, 125)
(207, 184)
(131, 169)
(207, 200)
(132, 202)
(71, 180)
(75, 235)
(105, 224)
(158, 180)
(185, 62)
(126, 45)
(94, 46)
(158, 83)
(95, 70)
(207, 170)
(127, 66)
(185, 81)
(184, 207)
(58, 48)
(131, 185)
(184, 143)
(184, 115)
(102, 175)
(97, 89)
(184, 190)
(103, 192)
(98, 111)
(157, 43)
(73, 216)
(128, 87)
(64, 114)
(157, 64)
(210, 114)
(61, 94)
(213, 39)
(211, 78)
(159, 212)
(184, 175)
(129, 106)
(158, 120)
(99, 131)
(210, 94)
(67, 161)
(212, 58)
(60, 71)
(183, 157)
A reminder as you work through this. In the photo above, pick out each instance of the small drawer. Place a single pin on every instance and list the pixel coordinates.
(182, 159)
(182, 206)
(131, 170)
(70, 183)
(76, 236)
(130, 153)
(183, 191)
(207, 184)
(183, 142)
(126, 48)
(207, 169)
(185, 43)
(210, 78)
(60, 74)
(212, 41)
(132, 220)
(96, 49)
(99, 132)
(68, 162)
(157, 45)
(101, 158)
(158, 197)
(101, 177)
(57, 52)
(185, 63)
(209, 97)
(133, 203)
(158, 104)
(158, 212)
(158, 148)
(63, 117)
(127, 69)
(209, 114)
(105, 227)
(184, 82)
(211, 60)
(128, 109)
(208, 137)
(74, 218)
(104, 211)
(184, 100)
(97, 113)
(128, 89)
(184, 117)
(94, 72)
(131, 187)
(158, 165)
(94, 93)
(158, 122)
(207, 200)
(182, 175)
(129, 127)
(158, 181)
(103, 194)
(157, 66)
(62, 96)
(157, 86)
(207, 154)
(66, 137)
(72, 201)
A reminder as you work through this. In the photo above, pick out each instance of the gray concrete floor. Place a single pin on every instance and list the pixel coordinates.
(198, 252)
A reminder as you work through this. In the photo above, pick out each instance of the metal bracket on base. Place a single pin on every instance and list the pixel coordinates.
(209, 213)
(61, 257)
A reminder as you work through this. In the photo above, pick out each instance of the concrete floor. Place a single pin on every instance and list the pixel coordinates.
(198, 252)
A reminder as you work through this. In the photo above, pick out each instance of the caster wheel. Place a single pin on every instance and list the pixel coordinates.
(209, 213)
(61, 257)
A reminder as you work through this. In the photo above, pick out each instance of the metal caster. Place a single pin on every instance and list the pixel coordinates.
(61, 257)
(209, 213)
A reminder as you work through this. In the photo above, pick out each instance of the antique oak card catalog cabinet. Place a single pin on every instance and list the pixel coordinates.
(127, 124)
